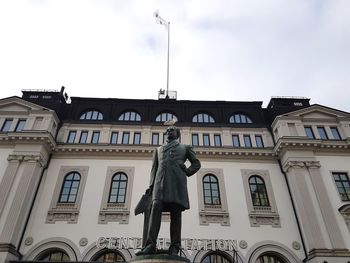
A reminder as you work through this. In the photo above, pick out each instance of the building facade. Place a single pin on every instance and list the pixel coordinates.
(274, 184)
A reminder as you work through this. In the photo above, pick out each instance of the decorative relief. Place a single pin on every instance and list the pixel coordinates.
(15, 157)
(28, 241)
(312, 164)
(114, 216)
(206, 217)
(272, 219)
(243, 244)
(296, 245)
(294, 164)
(83, 241)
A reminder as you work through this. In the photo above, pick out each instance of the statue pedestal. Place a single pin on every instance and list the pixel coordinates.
(159, 258)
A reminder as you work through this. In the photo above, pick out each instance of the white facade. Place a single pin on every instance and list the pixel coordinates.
(306, 219)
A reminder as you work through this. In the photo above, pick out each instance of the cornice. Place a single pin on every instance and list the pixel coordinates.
(28, 137)
(304, 144)
(147, 151)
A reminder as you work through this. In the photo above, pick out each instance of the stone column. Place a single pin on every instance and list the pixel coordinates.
(325, 205)
(302, 195)
(15, 219)
(9, 176)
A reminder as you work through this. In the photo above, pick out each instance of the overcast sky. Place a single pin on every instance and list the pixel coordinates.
(219, 50)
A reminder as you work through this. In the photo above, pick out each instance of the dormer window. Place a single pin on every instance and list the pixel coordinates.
(240, 118)
(166, 116)
(92, 115)
(203, 118)
(129, 116)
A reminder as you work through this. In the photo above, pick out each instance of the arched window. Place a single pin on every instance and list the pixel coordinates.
(166, 116)
(119, 184)
(129, 116)
(203, 118)
(70, 187)
(240, 118)
(211, 190)
(109, 256)
(258, 191)
(268, 258)
(216, 258)
(92, 115)
(54, 255)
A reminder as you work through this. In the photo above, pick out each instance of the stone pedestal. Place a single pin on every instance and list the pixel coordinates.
(159, 258)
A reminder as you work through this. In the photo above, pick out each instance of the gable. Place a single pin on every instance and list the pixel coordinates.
(15, 104)
(318, 112)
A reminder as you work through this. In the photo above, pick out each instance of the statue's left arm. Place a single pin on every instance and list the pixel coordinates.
(195, 163)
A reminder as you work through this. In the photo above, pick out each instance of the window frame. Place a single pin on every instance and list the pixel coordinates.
(155, 138)
(119, 181)
(240, 118)
(71, 136)
(168, 116)
(266, 215)
(212, 213)
(68, 212)
(211, 190)
(259, 197)
(238, 140)
(7, 120)
(217, 143)
(95, 140)
(335, 131)
(259, 144)
(125, 138)
(344, 188)
(19, 122)
(203, 117)
(116, 212)
(84, 132)
(194, 136)
(247, 136)
(130, 116)
(70, 188)
(116, 135)
(137, 138)
(322, 132)
(206, 143)
(310, 135)
(91, 115)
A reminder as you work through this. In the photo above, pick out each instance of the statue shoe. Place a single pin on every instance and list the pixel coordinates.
(147, 250)
(173, 251)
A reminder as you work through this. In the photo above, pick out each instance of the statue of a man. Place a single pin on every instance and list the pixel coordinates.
(168, 187)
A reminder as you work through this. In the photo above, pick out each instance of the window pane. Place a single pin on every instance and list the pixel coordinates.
(114, 138)
(95, 137)
(259, 141)
(155, 138)
(195, 141)
(309, 133)
(322, 132)
(235, 141)
(206, 140)
(217, 139)
(335, 133)
(20, 125)
(71, 136)
(83, 137)
(137, 138)
(247, 141)
(125, 139)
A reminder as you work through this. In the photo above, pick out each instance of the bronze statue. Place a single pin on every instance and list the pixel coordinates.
(168, 191)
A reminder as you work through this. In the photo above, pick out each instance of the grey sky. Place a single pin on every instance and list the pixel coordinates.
(220, 50)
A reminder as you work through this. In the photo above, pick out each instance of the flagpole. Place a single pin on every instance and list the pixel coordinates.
(167, 83)
(161, 21)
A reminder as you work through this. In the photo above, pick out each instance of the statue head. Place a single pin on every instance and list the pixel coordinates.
(172, 133)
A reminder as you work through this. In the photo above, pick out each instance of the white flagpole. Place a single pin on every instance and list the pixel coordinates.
(161, 21)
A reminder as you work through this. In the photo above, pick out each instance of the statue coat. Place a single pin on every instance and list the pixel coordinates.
(169, 173)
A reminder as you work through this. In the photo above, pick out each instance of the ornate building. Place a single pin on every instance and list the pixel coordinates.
(274, 184)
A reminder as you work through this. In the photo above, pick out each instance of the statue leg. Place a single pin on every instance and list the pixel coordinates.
(175, 230)
(146, 215)
(154, 222)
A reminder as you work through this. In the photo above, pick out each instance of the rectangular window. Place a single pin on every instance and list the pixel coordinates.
(322, 133)
(335, 133)
(114, 138)
(83, 137)
(20, 125)
(125, 138)
(217, 140)
(247, 141)
(7, 125)
(195, 139)
(155, 138)
(259, 141)
(71, 136)
(137, 138)
(206, 140)
(309, 132)
(95, 137)
(235, 141)
(343, 184)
